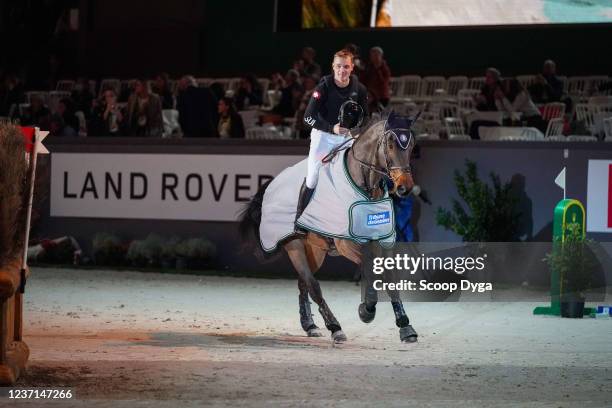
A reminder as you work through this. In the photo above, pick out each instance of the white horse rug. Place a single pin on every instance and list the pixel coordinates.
(338, 208)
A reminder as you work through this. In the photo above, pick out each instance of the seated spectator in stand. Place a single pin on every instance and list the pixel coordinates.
(107, 118)
(230, 123)
(548, 86)
(57, 127)
(162, 88)
(512, 97)
(144, 112)
(376, 77)
(197, 109)
(65, 108)
(306, 65)
(291, 93)
(486, 100)
(37, 114)
(358, 64)
(217, 90)
(249, 93)
(309, 84)
(11, 96)
(83, 97)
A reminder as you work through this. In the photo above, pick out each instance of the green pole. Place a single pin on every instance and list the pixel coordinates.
(567, 212)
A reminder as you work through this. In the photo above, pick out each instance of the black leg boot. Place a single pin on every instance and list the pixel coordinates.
(303, 200)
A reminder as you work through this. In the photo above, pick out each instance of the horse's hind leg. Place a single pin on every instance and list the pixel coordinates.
(298, 255)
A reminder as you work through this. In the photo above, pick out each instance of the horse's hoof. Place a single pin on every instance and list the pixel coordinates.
(365, 315)
(338, 336)
(408, 335)
(314, 332)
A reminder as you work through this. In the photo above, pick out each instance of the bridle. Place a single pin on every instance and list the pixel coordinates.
(403, 142)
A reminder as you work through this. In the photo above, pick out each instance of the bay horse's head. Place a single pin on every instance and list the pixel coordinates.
(394, 151)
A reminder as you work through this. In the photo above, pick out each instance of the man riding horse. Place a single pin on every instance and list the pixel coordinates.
(351, 205)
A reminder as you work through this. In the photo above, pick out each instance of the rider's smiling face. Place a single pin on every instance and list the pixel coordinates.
(342, 67)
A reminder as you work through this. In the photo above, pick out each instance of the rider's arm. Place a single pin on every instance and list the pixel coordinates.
(313, 116)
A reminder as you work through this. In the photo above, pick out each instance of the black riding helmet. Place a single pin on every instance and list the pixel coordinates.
(351, 115)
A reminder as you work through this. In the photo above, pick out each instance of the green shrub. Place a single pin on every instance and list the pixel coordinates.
(491, 214)
(108, 249)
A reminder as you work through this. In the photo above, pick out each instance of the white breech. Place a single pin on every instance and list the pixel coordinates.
(321, 143)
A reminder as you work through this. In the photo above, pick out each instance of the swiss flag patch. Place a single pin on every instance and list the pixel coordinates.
(316, 95)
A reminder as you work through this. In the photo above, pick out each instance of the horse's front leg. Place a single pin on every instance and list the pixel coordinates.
(297, 253)
(306, 319)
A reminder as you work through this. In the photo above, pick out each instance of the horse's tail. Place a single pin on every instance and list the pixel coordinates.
(250, 219)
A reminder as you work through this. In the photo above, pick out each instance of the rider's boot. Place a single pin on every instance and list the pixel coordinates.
(303, 200)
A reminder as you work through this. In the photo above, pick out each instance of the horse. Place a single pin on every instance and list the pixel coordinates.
(380, 154)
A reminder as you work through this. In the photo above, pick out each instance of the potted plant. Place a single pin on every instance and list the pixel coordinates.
(153, 245)
(181, 251)
(136, 253)
(107, 249)
(491, 214)
(168, 253)
(574, 262)
(202, 251)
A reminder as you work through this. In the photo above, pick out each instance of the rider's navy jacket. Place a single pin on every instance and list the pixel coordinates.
(327, 97)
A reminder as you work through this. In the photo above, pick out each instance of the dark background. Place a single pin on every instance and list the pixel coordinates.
(119, 38)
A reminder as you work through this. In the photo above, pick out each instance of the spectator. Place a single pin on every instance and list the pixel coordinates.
(548, 86)
(309, 84)
(196, 107)
(37, 114)
(107, 118)
(376, 77)
(291, 93)
(249, 93)
(144, 113)
(230, 123)
(217, 90)
(58, 128)
(83, 97)
(307, 65)
(486, 100)
(512, 97)
(11, 95)
(162, 88)
(357, 62)
(65, 108)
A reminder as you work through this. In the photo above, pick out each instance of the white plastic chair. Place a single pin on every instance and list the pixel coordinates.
(171, 123)
(553, 110)
(455, 129)
(465, 100)
(555, 128)
(585, 114)
(110, 83)
(581, 138)
(476, 83)
(412, 86)
(41, 94)
(64, 85)
(577, 87)
(263, 133)
(430, 84)
(396, 85)
(55, 97)
(455, 84)
(595, 81)
(607, 125)
(526, 80)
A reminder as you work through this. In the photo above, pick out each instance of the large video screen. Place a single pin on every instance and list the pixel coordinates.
(441, 13)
